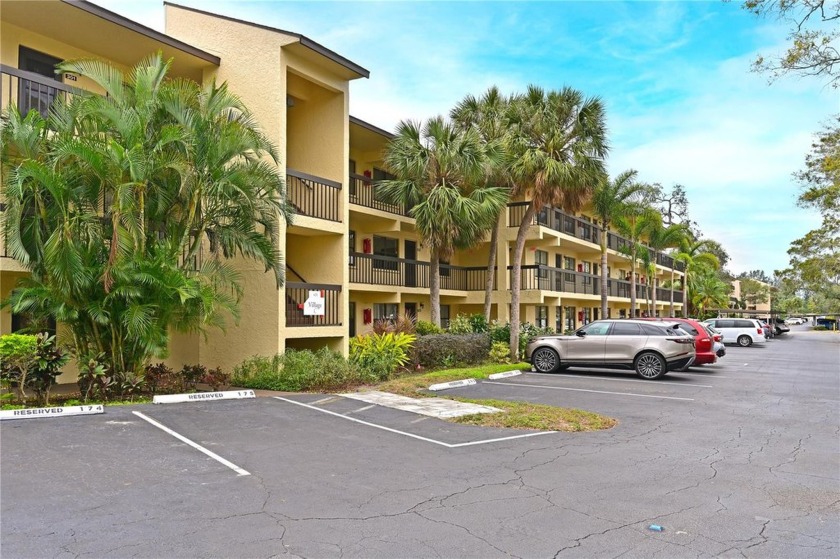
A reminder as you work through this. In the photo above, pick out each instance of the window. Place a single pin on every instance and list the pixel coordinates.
(385, 246)
(34, 95)
(380, 175)
(351, 239)
(569, 263)
(541, 259)
(558, 319)
(596, 329)
(444, 316)
(625, 329)
(542, 317)
(444, 268)
(587, 315)
(569, 313)
(587, 267)
(652, 330)
(385, 311)
(744, 324)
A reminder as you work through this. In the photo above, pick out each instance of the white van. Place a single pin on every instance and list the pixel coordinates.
(742, 331)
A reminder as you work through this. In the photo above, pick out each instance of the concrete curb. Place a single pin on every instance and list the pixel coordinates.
(453, 384)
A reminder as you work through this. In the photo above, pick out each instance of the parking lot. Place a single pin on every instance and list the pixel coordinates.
(741, 458)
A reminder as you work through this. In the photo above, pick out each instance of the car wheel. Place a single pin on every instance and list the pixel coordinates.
(545, 360)
(744, 341)
(650, 365)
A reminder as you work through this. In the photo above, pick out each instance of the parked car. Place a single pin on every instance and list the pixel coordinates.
(780, 327)
(703, 341)
(650, 348)
(830, 323)
(768, 330)
(743, 331)
(717, 338)
(795, 320)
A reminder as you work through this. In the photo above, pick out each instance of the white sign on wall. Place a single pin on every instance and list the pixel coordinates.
(314, 305)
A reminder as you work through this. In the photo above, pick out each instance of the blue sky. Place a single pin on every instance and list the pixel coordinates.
(682, 105)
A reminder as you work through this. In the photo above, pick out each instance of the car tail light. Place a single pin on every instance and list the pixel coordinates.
(758, 330)
(682, 340)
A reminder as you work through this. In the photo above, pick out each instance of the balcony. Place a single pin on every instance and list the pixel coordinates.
(363, 193)
(29, 90)
(545, 278)
(556, 220)
(296, 295)
(398, 272)
(314, 196)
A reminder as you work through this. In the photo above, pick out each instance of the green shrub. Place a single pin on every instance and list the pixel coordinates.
(17, 354)
(500, 352)
(299, 371)
(424, 328)
(49, 359)
(381, 354)
(446, 350)
(402, 324)
(460, 325)
(31, 362)
(479, 323)
(501, 333)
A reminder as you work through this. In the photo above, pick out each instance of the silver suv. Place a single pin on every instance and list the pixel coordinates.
(650, 348)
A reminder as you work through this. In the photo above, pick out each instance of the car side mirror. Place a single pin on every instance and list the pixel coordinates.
(580, 333)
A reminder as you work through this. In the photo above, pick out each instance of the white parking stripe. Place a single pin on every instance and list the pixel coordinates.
(196, 446)
(412, 435)
(584, 390)
(363, 409)
(564, 375)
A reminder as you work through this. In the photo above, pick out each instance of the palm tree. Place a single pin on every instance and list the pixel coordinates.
(635, 224)
(488, 115)
(660, 238)
(440, 175)
(609, 201)
(708, 290)
(557, 148)
(695, 255)
(108, 196)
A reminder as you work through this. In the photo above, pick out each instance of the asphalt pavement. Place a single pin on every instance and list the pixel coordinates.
(737, 459)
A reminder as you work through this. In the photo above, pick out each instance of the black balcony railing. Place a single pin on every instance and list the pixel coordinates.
(298, 293)
(29, 90)
(545, 278)
(363, 193)
(398, 272)
(314, 196)
(556, 220)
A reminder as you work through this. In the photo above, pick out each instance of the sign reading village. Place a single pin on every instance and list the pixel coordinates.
(58, 411)
(314, 305)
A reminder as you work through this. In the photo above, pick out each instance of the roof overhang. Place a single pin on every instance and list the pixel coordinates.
(304, 47)
(103, 33)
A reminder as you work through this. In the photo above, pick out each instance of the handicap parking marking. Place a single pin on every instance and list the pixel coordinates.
(195, 445)
(597, 377)
(587, 390)
(412, 435)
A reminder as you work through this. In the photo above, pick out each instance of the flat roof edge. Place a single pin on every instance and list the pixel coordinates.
(132, 25)
(304, 41)
(371, 127)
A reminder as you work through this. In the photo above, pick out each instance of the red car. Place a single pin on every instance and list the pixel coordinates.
(704, 345)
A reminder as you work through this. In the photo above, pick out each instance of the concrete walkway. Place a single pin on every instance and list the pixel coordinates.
(433, 407)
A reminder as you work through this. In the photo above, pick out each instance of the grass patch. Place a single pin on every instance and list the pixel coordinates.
(514, 415)
(412, 384)
(525, 415)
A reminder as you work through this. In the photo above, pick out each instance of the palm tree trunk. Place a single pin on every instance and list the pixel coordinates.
(652, 281)
(434, 285)
(491, 271)
(685, 309)
(671, 308)
(604, 278)
(633, 283)
(516, 279)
